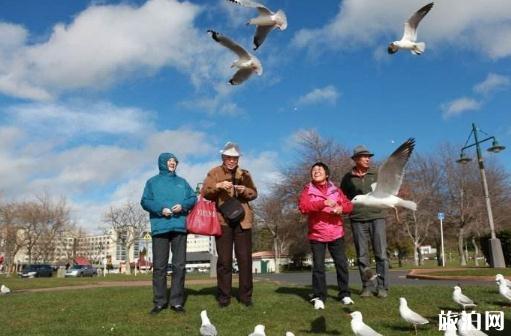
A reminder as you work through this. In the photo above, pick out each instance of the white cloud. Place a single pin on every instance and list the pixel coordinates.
(492, 83)
(103, 45)
(327, 94)
(459, 106)
(483, 26)
(73, 118)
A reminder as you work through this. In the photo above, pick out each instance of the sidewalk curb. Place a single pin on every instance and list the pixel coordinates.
(420, 274)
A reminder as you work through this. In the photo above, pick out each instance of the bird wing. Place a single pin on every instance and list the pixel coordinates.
(230, 44)
(413, 317)
(240, 76)
(410, 32)
(367, 331)
(260, 35)
(391, 172)
(262, 9)
(208, 330)
(463, 299)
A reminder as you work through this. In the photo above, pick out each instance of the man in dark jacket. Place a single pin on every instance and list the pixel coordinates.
(168, 198)
(367, 223)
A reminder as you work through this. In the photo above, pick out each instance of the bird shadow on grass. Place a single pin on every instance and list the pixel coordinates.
(318, 326)
(400, 327)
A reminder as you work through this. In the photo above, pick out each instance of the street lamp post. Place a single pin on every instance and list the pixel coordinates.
(496, 255)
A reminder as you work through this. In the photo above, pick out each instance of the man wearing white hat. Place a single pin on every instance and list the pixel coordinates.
(223, 183)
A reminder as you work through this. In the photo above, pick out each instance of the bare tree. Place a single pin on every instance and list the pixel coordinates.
(10, 237)
(128, 222)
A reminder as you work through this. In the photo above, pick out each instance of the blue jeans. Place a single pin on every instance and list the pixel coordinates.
(336, 249)
(374, 231)
(161, 246)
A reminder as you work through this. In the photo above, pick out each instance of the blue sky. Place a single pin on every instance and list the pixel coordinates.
(92, 91)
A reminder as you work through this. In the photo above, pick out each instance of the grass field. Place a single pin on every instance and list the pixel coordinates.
(280, 307)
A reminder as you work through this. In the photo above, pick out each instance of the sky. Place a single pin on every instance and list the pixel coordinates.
(92, 91)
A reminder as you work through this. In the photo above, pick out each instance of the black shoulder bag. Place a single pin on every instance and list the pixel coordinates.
(231, 209)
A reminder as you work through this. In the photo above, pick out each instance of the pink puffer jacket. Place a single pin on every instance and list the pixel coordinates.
(324, 225)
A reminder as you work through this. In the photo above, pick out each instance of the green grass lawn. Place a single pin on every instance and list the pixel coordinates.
(280, 307)
(483, 271)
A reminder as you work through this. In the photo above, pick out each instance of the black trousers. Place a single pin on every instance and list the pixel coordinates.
(241, 239)
(162, 243)
(337, 251)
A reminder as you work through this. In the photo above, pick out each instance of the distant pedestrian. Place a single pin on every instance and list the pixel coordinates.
(324, 204)
(222, 183)
(168, 198)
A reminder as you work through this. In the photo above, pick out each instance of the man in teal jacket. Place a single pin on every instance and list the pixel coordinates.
(168, 198)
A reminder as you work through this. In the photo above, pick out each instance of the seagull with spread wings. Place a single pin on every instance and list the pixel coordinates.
(390, 177)
(265, 22)
(408, 41)
(246, 64)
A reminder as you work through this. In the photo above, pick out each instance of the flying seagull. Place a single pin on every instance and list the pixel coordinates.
(409, 315)
(4, 290)
(461, 298)
(207, 329)
(466, 328)
(408, 41)
(265, 22)
(390, 177)
(246, 64)
(258, 331)
(500, 277)
(359, 327)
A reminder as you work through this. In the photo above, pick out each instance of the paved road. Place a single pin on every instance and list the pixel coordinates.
(397, 277)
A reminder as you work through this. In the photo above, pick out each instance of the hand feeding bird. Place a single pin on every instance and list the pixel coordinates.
(207, 329)
(246, 64)
(462, 299)
(358, 326)
(409, 315)
(390, 177)
(408, 41)
(265, 22)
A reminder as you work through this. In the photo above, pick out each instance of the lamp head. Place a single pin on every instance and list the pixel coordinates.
(463, 159)
(496, 147)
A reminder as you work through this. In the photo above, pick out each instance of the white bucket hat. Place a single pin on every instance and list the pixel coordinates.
(231, 149)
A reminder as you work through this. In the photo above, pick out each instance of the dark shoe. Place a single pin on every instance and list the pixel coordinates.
(178, 309)
(247, 303)
(157, 309)
(366, 292)
(382, 293)
(223, 304)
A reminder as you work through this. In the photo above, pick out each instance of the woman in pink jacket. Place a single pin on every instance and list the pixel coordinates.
(324, 204)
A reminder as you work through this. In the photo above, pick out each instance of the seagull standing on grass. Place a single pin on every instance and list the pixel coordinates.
(207, 329)
(466, 328)
(450, 329)
(265, 22)
(500, 277)
(390, 177)
(504, 290)
(4, 290)
(408, 41)
(409, 315)
(359, 327)
(247, 63)
(258, 331)
(462, 299)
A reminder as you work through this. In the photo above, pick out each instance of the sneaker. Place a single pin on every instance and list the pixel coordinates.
(382, 293)
(366, 292)
(347, 300)
(318, 303)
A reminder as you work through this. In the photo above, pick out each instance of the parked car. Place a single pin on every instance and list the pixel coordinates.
(81, 271)
(36, 270)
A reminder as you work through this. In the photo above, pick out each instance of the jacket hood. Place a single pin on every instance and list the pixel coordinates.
(162, 162)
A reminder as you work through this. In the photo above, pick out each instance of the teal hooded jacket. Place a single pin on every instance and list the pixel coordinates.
(164, 191)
